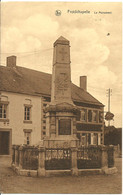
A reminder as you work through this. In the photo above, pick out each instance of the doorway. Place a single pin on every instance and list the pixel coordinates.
(4, 142)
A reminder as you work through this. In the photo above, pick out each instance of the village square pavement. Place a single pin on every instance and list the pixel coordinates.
(97, 184)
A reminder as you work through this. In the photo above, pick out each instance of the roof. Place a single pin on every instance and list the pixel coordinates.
(61, 38)
(26, 81)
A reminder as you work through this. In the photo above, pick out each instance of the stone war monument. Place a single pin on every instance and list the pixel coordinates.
(61, 112)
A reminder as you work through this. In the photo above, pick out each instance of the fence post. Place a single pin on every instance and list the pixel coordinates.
(74, 168)
(13, 155)
(118, 150)
(16, 155)
(21, 157)
(111, 156)
(41, 161)
(104, 158)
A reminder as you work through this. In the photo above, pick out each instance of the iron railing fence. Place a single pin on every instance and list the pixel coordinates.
(89, 157)
(30, 158)
(57, 158)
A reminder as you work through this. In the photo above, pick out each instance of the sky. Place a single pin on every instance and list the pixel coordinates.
(29, 29)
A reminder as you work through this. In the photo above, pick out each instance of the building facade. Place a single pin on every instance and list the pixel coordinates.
(24, 94)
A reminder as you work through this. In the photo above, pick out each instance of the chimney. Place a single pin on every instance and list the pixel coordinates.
(83, 82)
(11, 61)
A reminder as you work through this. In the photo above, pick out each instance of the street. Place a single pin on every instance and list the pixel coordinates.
(10, 182)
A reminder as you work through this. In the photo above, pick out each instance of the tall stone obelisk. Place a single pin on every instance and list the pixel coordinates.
(61, 73)
(61, 112)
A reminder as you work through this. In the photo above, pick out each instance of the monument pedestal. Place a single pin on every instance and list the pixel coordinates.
(61, 125)
(61, 142)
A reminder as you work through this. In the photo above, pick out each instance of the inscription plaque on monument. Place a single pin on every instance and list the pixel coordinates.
(64, 127)
(62, 84)
(63, 53)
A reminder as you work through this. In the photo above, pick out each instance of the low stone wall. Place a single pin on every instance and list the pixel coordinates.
(40, 161)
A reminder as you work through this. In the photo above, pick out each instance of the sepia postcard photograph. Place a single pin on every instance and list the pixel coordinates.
(60, 97)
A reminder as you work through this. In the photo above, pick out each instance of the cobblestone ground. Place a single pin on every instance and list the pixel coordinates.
(91, 184)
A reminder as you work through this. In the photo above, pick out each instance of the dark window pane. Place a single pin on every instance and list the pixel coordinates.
(78, 115)
(83, 115)
(27, 142)
(4, 113)
(27, 113)
(95, 139)
(95, 116)
(100, 117)
(83, 134)
(25, 116)
(28, 118)
(90, 115)
(1, 111)
(89, 138)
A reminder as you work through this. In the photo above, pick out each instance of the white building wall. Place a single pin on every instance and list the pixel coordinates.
(16, 117)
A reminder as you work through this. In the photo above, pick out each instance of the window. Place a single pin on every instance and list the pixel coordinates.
(27, 113)
(3, 111)
(100, 116)
(83, 115)
(94, 116)
(101, 138)
(28, 139)
(89, 115)
(95, 139)
(27, 136)
(83, 139)
(89, 138)
(78, 115)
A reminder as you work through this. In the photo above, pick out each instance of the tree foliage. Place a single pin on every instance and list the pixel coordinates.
(113, 136)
